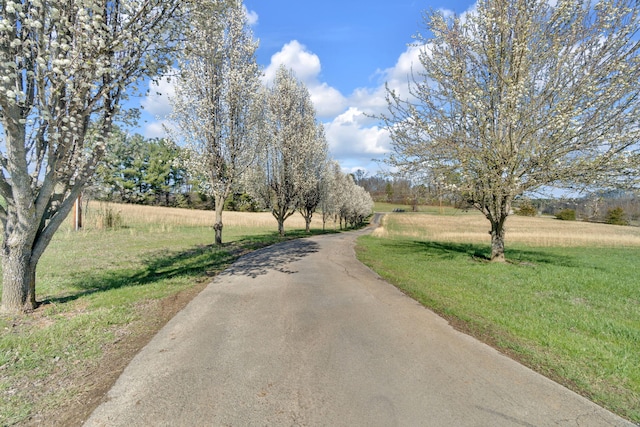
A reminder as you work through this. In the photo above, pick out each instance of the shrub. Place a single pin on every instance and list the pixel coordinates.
(527, 209)
(567, 215)
(109, 218)
(616, 216)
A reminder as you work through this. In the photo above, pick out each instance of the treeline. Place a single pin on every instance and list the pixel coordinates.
(153, 171)
(611, 207)
(403, 191)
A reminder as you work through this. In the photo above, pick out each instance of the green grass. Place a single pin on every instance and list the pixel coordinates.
(572, 314)
(97, 288)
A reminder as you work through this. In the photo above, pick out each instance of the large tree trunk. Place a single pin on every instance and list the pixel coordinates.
(497, 232)
(497, 241)
(18, 279)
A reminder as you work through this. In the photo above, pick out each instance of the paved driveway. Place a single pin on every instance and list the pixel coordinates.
(301, 334)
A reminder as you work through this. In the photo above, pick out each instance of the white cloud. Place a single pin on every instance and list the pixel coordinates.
(156, 129)
(293, 55)
(327, 100)
(252, 16)
(406, 68)
(352, 135)
(447, 13)
(306, 66)
(156, 103)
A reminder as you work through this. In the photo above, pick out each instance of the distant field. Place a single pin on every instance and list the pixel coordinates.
(472, 227)
(567, 304)
(104, 293)
(152, 217)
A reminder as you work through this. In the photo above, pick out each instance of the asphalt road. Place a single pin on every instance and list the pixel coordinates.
(302, 334)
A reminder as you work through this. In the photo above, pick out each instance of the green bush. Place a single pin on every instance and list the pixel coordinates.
(616, 216)
(527, 210)
(567, 215)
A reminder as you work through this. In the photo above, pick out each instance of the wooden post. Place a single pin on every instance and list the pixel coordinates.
(77, 214)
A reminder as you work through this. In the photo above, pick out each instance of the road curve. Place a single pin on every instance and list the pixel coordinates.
(302, 334)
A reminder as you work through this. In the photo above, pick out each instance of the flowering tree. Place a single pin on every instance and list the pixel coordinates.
(65, 68)
(521, 94)
(291, 143)
(330, 196)
(313, 171)
(344, 200)
(216, 103)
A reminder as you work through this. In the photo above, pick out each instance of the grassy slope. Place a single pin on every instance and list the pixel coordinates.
(103, 289)
(571, 313)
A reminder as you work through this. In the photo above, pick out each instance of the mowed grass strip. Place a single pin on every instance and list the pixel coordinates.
(104, 290)
(567, 304)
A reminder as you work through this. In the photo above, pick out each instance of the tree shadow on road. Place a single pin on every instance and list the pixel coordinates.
(199, 263)
(277, 257)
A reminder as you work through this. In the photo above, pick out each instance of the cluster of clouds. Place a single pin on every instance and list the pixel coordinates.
(357, 139)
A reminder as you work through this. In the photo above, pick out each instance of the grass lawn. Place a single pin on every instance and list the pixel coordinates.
(104, 293)
(566, 308)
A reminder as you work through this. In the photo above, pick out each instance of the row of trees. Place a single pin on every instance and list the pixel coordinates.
(595, 207)
(67, 67)
(240, 134)
(347, 202)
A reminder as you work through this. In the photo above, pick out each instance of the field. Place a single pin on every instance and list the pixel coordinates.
(471, 227)
(567, 303)
(105, 291)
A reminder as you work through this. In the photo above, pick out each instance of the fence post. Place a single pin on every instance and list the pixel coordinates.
(77, 214)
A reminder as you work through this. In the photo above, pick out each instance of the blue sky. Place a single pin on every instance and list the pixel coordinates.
(344, 52)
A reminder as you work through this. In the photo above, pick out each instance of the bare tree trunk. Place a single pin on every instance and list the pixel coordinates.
(281, 227)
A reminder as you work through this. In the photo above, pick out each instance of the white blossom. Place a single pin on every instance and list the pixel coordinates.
(294, 146)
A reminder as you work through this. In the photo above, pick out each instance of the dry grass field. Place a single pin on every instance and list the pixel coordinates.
(472, 227)
(166, 218)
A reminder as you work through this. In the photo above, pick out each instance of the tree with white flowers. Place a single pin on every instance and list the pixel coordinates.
(292, 141)
(331, 196)
(344, 200)
(313, 170)
(521, 94)
(216, 106)
(66, 68)
(360, 204)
